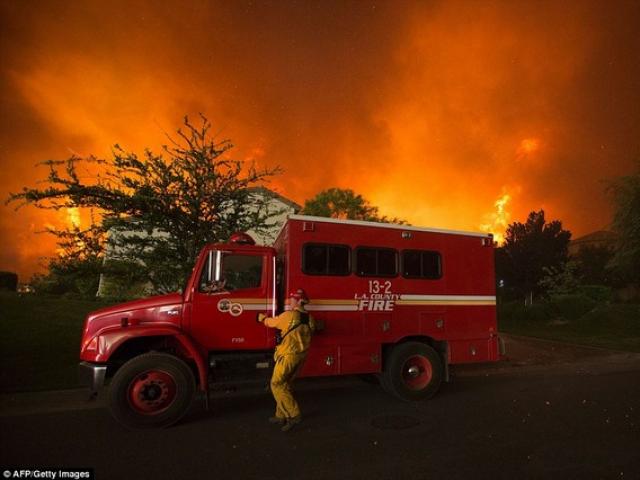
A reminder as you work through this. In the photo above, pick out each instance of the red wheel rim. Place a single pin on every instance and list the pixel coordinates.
(417, 372)
(152, 392)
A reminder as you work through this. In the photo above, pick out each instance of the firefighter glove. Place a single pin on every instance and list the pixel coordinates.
(260, 318)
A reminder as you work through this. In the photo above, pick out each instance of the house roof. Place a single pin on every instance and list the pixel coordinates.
(270, 193)
(594, 239)
(601, 236)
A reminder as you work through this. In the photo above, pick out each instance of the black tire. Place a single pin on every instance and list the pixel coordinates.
(382, 379)
(413, 371)
(152, 390)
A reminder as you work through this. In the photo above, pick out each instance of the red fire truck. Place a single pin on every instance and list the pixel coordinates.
(393, 300)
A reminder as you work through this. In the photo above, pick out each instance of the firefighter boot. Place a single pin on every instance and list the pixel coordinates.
(291, 422)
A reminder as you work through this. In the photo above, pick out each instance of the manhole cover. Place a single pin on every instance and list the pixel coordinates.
(394, 422)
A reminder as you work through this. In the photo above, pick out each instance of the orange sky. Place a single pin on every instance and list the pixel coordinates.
(462, 115)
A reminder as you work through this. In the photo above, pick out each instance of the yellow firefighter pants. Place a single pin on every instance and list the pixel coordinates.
(281, 382)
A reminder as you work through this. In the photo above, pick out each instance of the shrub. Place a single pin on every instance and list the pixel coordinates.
(538, 312)
(8, 281)
(628, 294)
(599, 293)
(571, 307)
(510, 311)
(124, 279)
(518, 312)
(568, 307)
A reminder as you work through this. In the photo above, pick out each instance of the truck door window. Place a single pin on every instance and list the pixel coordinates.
(210, 281)
(241, 271)
(227, 272)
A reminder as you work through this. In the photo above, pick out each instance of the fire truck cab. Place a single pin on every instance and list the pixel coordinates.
(397, 301)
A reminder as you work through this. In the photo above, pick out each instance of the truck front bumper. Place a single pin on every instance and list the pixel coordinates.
(92, 375)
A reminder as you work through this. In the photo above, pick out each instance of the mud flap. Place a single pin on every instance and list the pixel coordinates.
(502, 348)
(443, 349)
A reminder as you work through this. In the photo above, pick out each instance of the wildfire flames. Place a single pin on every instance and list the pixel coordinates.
(498, 220)
(73, 217)
(446, 114)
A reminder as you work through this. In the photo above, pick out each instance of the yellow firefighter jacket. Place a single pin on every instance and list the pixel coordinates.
(296, 337)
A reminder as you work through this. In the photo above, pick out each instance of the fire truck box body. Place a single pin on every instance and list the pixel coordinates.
(399, 301)
(395, 283)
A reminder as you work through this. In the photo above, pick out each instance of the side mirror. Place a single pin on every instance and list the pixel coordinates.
(214, 287)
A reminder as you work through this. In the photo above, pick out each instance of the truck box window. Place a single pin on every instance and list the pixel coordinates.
(421, 264)
(326, 259)
(376, 262)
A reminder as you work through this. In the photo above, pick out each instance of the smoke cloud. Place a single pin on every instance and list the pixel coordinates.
(462, 115)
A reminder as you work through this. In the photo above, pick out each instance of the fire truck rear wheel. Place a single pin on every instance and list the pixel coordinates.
(152, 390)
(413, 371)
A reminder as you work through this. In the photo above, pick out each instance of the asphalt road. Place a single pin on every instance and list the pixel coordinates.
(576, 420)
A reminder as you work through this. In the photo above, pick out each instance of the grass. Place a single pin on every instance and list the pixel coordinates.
(40, 341)
(613, 326)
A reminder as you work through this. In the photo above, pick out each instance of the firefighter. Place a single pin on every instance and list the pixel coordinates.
(296, 327)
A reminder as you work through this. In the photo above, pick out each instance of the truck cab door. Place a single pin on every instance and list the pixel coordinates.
(232, 288)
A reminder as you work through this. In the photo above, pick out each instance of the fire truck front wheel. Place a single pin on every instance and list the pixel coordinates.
(151, 390)
(413, 371)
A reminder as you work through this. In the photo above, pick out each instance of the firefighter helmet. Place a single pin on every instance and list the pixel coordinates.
(300, 295)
